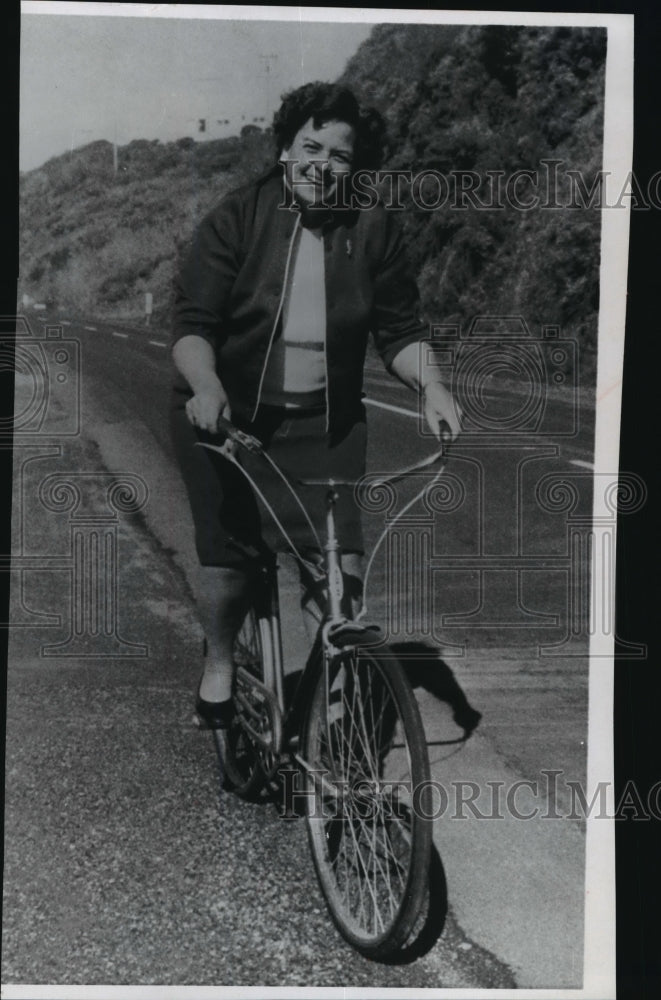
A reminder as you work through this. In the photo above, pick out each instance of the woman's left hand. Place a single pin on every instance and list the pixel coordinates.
(440, 406)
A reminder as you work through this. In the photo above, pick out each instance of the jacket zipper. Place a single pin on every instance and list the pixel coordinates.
(326, 354)
(277, 316)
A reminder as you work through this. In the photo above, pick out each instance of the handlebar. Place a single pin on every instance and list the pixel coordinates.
(254, 445)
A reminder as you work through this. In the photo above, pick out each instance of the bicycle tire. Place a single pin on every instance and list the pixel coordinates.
(240, 760)
(373, 869)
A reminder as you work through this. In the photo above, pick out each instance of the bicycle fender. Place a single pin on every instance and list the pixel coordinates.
(355, 634)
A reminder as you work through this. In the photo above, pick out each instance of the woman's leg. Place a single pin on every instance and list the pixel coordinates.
(353, 569)
(221, 601)
(223, 508)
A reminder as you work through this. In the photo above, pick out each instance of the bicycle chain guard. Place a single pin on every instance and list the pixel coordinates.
(253, 699)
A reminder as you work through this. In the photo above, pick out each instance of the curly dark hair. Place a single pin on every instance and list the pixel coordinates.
(325, 102)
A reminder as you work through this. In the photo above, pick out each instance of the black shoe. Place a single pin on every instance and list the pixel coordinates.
(214, 714)
(468, 718)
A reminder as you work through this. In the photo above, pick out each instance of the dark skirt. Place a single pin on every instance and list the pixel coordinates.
(230, 519)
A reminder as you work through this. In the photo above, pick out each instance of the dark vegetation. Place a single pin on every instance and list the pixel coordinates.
(497, 99)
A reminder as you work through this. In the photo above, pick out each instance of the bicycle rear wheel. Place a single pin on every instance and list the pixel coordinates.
(239, 756)
(368, 800)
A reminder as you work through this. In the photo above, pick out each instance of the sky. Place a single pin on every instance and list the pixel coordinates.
(89, 77)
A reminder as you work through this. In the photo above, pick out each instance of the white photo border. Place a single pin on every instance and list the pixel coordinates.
(599, 955)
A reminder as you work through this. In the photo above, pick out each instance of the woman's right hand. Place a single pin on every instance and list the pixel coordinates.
(195, 359)
(208, 403)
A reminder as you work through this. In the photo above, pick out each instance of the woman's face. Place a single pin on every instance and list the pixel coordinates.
(318, 158)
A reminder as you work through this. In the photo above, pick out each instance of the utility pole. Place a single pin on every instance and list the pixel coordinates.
(203, 122)
(268, 59)
(114, 152)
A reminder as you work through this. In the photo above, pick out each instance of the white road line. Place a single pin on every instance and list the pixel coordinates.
(93, 328)
(64, 322)
(583, 465)
(394, 409)
(124, 335)
(158, 343)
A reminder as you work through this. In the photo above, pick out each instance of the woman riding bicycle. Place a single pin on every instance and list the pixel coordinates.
(285, 279)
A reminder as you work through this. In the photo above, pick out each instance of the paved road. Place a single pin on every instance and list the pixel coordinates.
(126, 863)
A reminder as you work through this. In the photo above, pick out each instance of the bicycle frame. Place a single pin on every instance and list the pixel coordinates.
(274, 665)
(325, 644)
(370, 846)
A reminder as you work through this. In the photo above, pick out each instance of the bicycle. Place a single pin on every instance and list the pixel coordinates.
(354, 733)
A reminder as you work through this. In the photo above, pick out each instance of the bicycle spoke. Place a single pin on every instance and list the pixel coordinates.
(364, 868)
(370, 836)
(386, 860)
(363, 732)
(385, 875)
(377, 724)
(353, 894)
(355, 871)
(358, 735)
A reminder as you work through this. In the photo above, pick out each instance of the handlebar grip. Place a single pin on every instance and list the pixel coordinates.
(225, 426)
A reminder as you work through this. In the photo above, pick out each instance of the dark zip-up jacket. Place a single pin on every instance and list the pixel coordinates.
(231, 287)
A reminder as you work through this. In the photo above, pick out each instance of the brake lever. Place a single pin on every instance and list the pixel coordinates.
(226, 427)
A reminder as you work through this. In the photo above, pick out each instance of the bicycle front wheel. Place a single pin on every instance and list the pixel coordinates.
(367, 799)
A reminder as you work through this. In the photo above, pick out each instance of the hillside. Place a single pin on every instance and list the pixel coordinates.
(489, 99)
(98, 242)
(492, 100)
